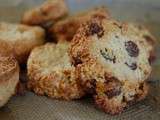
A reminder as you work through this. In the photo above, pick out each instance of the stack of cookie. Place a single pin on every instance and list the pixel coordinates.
(90, 53)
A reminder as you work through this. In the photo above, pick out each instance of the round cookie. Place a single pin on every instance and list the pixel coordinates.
(66, 28)
(9, 74)
(111, 56)
(21, 39)
(51, 72)
(49, 11)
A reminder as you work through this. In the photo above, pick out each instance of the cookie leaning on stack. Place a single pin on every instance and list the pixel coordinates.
(21, 39)
(51, 73)
(65, 29)
(112, 63)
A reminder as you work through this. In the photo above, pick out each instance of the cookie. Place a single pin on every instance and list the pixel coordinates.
(110, 56)
(51, 73)
(49, 11)
(21, 39)
(66, 28)
(9, 74)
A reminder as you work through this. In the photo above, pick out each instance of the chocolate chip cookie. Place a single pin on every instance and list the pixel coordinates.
(112, 62)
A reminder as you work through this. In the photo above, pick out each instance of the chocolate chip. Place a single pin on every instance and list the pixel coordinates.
(117, 36)
(77, 61)
(112, 87)
(109, 79)
(141, 86)
(43, 12)
(149, 39)
(107, 56)
(94, 28)
(124, 99)
(120, 27)
(113, 92)
(133, 66)
(132, 49)
(92, 87)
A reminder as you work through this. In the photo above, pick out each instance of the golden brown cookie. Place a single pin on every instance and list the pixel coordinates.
(49, 11)
(21, 39)
(112, 62)
(51, 73)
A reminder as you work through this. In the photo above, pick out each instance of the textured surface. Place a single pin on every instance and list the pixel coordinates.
(122, 57)
(9, 77)
(21, 39)
(51, 73)
(32, 107)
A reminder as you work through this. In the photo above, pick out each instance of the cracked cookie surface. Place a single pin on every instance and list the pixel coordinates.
(112, 62)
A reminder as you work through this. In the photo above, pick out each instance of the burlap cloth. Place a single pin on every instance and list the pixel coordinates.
(33, 107)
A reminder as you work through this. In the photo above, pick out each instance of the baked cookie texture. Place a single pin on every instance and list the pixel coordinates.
(113, 97)
(51, 73)
(66, 28)
(21, 39)
(9, 74)
(49, 11)
(112, 62)
(148, 37)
